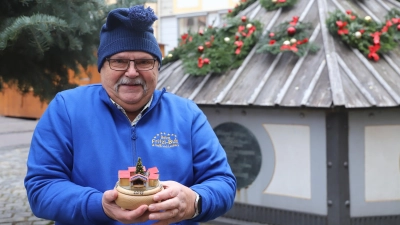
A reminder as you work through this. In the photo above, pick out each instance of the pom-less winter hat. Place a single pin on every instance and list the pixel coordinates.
(128, 29)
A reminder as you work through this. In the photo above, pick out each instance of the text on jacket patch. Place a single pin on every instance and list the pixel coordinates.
(165, 140)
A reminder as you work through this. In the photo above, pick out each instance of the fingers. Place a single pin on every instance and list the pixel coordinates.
(134, 216)
(110, 196)
(115, 212)
(175, 203)
(171, 190)
(165, 206)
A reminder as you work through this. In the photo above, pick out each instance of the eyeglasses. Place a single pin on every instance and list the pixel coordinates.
(123, 64)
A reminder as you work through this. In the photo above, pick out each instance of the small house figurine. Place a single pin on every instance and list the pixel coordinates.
(137, 186)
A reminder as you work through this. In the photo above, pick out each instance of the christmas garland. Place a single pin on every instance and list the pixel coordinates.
(288, 36)
(394, 17)
(243, 4)
(370, 37)
(216, 50)
(270, 5)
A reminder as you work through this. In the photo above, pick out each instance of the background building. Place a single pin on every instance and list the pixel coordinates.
(177, 17)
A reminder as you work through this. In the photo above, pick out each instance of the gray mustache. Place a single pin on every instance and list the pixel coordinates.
(136, 81)
(129, 81)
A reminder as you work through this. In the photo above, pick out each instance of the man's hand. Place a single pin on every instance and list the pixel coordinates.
(115, 212)
(175, 203)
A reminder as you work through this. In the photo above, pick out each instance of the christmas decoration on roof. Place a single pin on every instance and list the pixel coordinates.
(216, 50)
(370, 37)
(394, 17)
(270, 5)
(242, 5)
(290, 36)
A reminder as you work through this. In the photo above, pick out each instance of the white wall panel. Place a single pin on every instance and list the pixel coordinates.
(382, 163)
(292, 175)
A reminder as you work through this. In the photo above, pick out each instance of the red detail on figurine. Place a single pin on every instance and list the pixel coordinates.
(137, 186)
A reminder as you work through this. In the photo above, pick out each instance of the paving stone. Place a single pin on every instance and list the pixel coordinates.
(6, 215)
(42, 223)
(22, 223)
(23, 214)
(5, 220)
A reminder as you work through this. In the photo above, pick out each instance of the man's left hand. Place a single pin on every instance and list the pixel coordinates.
(175, 203)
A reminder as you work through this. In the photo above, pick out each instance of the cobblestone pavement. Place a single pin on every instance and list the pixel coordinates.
(15, 137)
(14, 207)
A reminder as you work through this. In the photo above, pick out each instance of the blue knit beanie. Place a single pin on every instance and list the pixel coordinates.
(128, 29)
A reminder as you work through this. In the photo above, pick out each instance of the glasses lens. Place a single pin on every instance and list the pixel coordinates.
(119, 64)
(144, 64)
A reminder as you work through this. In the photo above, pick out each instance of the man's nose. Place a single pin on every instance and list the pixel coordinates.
(131, 69)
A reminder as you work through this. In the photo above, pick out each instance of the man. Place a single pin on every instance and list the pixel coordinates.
(89, 133)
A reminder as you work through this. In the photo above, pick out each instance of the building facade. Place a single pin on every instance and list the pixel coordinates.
(177, 17)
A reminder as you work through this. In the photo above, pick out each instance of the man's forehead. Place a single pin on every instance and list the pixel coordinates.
(137, 54)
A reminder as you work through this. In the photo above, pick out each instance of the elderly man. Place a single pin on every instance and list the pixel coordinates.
(89, 133)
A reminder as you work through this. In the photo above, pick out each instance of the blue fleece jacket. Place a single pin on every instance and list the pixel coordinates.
(82, 140)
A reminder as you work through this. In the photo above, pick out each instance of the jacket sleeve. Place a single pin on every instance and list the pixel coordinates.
(51, 194)
(214, 179)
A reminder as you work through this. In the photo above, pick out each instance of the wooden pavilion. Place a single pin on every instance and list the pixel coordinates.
(311, 140)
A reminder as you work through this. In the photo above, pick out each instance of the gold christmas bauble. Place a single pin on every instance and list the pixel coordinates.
(357, 34)
(274, 1)
(293, 40)
(169, 55)
(248, 26)
(286, 42)
(227, 39)
(367, 18)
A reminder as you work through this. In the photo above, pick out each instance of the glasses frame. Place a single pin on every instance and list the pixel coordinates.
(129, 64)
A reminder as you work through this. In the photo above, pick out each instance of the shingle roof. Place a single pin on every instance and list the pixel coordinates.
(336, 75)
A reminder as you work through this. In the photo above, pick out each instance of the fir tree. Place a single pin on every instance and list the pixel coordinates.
(139, 167)
(41, 40)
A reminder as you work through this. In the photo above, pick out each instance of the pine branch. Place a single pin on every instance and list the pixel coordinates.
(270, 5)
(40, 27)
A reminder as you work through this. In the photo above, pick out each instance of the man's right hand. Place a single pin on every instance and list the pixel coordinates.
(115, 212)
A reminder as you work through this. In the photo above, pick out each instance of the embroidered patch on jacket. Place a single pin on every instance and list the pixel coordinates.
(165, 140)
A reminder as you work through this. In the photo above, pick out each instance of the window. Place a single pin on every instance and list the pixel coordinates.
(192, 24)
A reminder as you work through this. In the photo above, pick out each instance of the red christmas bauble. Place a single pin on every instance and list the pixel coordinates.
(291, 31)
(206, 61)
(244, 18)
(398, 27)
(201, 32)
(208, 44)
(200, 48)
(271, 34)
